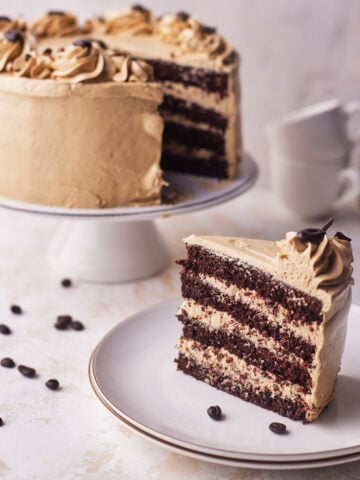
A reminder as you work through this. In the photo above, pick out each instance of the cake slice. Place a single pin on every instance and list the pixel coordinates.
(266, 321)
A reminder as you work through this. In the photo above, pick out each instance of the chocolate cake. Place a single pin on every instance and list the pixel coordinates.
(266, 321)
(198, 71)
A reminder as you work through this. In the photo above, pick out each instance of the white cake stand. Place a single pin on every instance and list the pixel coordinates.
(123, 244)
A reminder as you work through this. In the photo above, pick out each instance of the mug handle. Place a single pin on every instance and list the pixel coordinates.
(349, 187)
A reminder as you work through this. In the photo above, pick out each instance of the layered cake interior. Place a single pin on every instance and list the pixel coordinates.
(266, 321)
(198, 71)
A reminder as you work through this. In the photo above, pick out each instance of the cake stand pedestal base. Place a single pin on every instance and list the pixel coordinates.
(108, 251)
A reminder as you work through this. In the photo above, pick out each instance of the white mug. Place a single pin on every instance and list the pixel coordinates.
(309, 155)
(312, 190)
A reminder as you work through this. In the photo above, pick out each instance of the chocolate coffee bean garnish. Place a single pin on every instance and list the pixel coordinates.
(16, 309)
(27, 371)
(215, 412)
(99, 42)
(138, 8)
(85, 43)
(13, 35)
(76, 325)
(341, 236)
(5, 19)
(4, 329)
(66, 283)
(314, 235)
(56, 12)
(52, 384)
(278, 428)
(63, 322)
(208, 30)
(183, 16)
(47, 51)
(7, 362)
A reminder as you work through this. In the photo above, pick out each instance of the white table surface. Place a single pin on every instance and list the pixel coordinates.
(68, 434)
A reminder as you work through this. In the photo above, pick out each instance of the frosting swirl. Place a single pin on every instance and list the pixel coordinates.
(83, 60)
(134, 21)
(131, 70)
(95, 25)
(323, 267)
(55, 24)
(31, 65)
(169, 27)
(11, 47)
(7, 23)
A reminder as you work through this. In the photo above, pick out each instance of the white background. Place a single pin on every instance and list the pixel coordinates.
(295, 52)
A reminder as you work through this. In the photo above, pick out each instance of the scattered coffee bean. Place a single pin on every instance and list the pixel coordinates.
(76, 325)
(66, 283)
(215, 412)
(16, 309)
(52, 384)
(278, 428)
(7, 362)
(63, 322)
(4, 329)
(27, 371)
(1, 422)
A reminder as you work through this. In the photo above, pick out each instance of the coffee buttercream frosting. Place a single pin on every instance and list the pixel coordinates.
(55, 24)
(136, 20)
(12, 43)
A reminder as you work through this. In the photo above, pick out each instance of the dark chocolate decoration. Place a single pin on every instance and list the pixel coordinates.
(13, 35)
(5, 19)
(47, 51)
(314, 235)
(138, 8)
(28, 372)
(278, 428)
(27, 57)
(183, 16)
(99, 42)
(56, 12)
(215, 412)
(84, 42)
(341, 236)
(208, 30)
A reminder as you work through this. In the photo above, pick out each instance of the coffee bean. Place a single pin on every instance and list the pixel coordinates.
(341, 236)
(1, 422)
(76, 325)
(16, 309)
(52, 384)
(63, 322)
(138, 8)
(56, 12)
(278, 428)
(4, 329)
(66, 282)
(183, 16)
(7, 362)
(27, 371)
(47, 51)
(84, 43)
(5, 19)
(13, 35)
(208, 30)
(215, 412)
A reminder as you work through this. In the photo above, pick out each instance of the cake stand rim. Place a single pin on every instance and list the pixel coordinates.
(243, 182)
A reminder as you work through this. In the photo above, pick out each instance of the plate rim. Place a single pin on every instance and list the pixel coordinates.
(318, 455)
(235, 462)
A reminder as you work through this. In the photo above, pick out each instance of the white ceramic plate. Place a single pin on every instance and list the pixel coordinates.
(133, 373)
(197, 193)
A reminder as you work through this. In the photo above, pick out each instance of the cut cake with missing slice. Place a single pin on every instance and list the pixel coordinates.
(266, 321)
